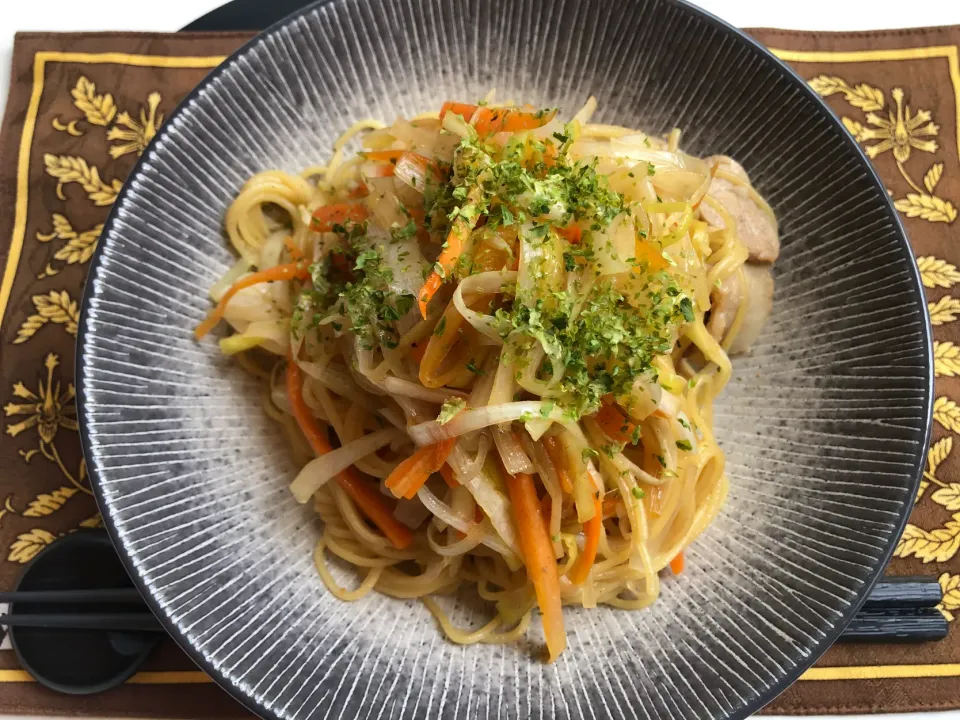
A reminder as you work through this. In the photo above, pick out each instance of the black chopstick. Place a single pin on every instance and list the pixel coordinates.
(904, 592)
(898, 609)
(141, 622)
(63, 597)
(896, 625)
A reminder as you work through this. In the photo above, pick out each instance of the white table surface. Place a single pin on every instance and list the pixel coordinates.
(169, 15)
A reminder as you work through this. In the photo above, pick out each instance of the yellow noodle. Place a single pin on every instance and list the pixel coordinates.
(665, 489)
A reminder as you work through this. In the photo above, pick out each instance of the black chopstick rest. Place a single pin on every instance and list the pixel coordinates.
(75, 619)
(895, 624)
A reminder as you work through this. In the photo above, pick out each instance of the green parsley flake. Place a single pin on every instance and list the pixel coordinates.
(638, 493)
(611, 344)
(362, 295)
(684, 445)
(450, 409)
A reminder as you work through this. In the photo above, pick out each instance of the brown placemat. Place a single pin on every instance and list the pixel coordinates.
(83, 106)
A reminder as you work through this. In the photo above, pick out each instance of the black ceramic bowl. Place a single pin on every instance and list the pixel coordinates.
(824, 432)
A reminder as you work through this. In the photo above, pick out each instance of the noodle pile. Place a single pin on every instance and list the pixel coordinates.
(494, 341)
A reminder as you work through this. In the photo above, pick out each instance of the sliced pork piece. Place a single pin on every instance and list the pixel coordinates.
(756, 228)
(756, 291)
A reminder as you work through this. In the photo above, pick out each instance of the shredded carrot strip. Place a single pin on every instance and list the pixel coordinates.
(676, 565)
(494, 120)
(546, 506)
(295, 252)
(326, 217)
(428, 290)
(452, 249)
(538, 557)
(395, 158)
(559, 459)
(418, 350)
(591, 528)
(367, 499)
(572, 233)
(290, 271)
(464, 110)
(410, 475)
(614, 424)
(383, 155)
(651, 254)
(489, 120)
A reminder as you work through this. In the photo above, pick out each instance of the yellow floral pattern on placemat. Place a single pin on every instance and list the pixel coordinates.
(942, 543)
(51, 409)
(895, 129)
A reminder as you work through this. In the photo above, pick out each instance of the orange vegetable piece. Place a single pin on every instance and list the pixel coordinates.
(677, 564)
(650, 252)
(559, 459)
(410, 475)
(615, 424)
(572, 233)
(538, 557)
(464, 110)
(295, 252)
(367, 499)
(290, 271)
(493, 120)
(591, 529)
(327, 216)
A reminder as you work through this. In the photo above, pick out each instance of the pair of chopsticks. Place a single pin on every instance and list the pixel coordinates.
(139, 619)
(897, 610)
(900, 609)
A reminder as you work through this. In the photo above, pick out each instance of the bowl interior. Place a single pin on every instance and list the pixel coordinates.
(824, 424)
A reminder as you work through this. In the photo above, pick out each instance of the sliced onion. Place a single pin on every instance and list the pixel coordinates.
(340, 383)
(249, 305)
(411, 172)
(480, 395)
(586, 112)
(458, 522)
(271, 335)
(415, 410)
(457, 125)
(541, 264)
(398, 386)
(463, 465)
(220, 287)
(643, 400)
(512, 454)
(319, 470)
(496, 507)
(486, 283)
(684, 185)
(472, 419)
(614, 247)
